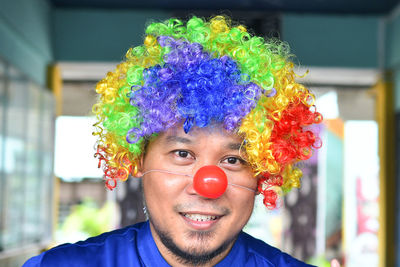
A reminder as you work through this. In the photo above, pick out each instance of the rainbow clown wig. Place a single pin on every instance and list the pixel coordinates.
(203, 72)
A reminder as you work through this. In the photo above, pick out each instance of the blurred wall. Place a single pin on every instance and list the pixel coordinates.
(332, 41)
(25, 36)
(99, 35)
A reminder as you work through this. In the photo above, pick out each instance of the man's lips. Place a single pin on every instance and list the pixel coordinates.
(200, 221)
(201, 217)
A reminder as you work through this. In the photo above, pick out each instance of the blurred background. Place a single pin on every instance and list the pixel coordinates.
(52, 53)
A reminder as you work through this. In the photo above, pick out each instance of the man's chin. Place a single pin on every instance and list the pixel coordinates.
(199, 250)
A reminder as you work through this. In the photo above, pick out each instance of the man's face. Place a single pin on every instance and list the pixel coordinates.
(196, 229)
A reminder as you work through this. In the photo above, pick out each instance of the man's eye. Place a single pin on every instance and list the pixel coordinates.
(182, 157)
(233, 160)
(182, 153)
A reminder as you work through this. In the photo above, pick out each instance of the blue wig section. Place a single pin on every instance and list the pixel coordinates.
(193, 88)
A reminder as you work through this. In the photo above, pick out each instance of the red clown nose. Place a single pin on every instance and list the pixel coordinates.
(210, 181)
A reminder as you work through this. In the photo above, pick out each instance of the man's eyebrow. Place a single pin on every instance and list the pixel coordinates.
(178, 139)
(234, 146)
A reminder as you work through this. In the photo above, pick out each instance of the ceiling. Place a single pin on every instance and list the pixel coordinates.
(368, 7)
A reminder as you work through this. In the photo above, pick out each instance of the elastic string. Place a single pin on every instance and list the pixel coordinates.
(191, 176)
(165, 171)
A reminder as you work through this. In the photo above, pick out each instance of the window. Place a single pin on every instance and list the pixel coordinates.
(26, 160)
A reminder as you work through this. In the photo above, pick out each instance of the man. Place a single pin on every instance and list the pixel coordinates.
(208, 116)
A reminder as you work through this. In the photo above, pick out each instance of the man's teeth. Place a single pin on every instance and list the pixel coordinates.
(200, 218)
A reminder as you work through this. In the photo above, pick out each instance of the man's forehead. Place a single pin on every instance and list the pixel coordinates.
(177, 134)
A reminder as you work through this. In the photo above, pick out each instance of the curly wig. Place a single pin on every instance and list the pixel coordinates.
(202, 71)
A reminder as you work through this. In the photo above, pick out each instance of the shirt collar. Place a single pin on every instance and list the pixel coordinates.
(148, 250)
(235, 257)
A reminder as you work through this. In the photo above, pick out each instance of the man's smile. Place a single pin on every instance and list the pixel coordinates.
(200, 217)
(199, 221)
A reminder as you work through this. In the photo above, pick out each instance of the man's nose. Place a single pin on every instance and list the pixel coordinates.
(190, 188)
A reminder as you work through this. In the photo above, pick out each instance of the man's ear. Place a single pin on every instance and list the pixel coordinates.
(258, 177)
(139, 167)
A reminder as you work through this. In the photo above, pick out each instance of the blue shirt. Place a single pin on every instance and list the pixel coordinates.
(135, 246)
